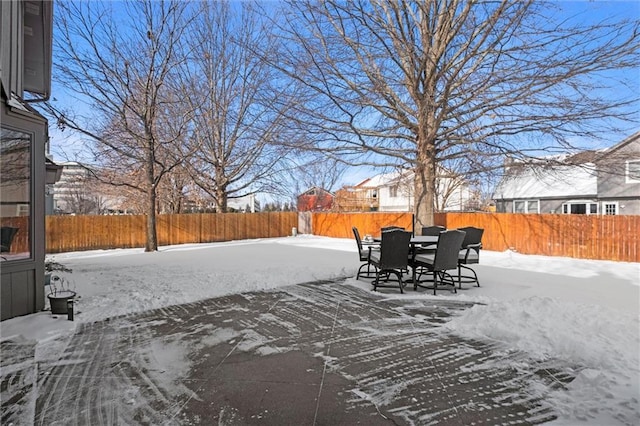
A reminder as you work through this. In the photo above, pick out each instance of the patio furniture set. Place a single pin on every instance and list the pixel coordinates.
(430, 257)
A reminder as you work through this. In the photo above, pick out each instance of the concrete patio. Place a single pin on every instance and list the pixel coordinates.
(321, 353)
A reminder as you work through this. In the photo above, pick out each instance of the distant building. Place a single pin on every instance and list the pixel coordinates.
(246, 204)
(394, 192)
(79, 191)
(315, 200)
(603, 182)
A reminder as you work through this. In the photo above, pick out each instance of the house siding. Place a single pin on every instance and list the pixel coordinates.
(602, 182)
(22, 279)
(612, 183)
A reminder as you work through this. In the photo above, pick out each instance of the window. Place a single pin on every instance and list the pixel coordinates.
(609, 208)
(393, 191)
(633, 171)
(23, 210)
(526, 206)
(15, 194)
(580, 208)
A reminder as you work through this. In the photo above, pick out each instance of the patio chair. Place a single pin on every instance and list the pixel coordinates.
(431, 231)
(364, 248)
(470, 254)
(7, 233)
(391, 228)
(445, 258)
(392, 258)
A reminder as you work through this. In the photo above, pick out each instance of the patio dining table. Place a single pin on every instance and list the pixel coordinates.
(426, 241)
(415, 240)
(423, 239)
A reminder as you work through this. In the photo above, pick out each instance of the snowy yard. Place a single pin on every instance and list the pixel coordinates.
(584, 312)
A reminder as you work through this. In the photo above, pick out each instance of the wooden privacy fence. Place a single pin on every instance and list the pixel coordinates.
(75, 233)
(339, 225)
(578, 236)
(20, 241)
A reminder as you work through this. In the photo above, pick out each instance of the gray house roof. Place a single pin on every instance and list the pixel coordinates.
(564, 176)
(545, 181)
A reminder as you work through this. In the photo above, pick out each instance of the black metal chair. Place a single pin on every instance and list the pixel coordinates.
(391, 228)
(7, 233)
(432, 231)
(470, 254)
(445, 258)
(392, 258)
(364, 248)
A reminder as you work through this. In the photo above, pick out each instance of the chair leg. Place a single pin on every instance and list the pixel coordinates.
(453, 282)
(360, 270)
(376, 281)
(399, 275)
(362, 273)
(413, 278)
(470, 279)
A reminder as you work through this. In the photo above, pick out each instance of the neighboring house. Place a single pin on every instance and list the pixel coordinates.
(619, 177)
(394, 192)
(591, 182)
(360, 197)
(78, 191)
(245, 204)
(72, 193)
(25, 75)
(315, 200)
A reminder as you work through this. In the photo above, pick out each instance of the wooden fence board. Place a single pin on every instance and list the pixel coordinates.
(580, 236)
(74, 233)
(340, 224)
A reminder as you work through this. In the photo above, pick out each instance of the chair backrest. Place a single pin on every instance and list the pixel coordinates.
(356, 235)
(449, 245)
(432, 231)
(394, 249)
(391, 228)
(6, 237)
(472, 235)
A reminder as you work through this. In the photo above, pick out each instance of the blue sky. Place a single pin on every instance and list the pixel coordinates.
(66, 145)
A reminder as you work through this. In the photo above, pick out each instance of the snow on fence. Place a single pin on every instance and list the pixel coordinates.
(578, 236)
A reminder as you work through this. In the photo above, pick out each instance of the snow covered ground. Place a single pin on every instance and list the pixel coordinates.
(586, 312)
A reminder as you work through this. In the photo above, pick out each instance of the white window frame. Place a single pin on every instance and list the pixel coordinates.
(525, 206)
(628, 177)
(614, 204)
(23, 210)
(566, 207)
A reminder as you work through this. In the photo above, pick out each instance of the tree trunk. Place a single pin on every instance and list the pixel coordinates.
(221, 199)
(152, 236)
(424, 182)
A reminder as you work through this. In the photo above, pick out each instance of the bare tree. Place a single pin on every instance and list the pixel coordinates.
(238, 122)
(121, 64)
(174, 190)
(307, 170)
(422, 83)
(77, 194)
